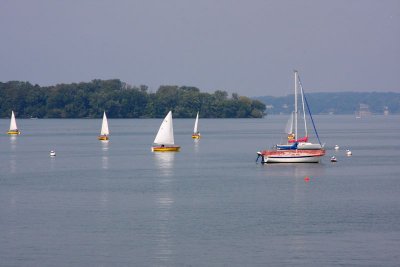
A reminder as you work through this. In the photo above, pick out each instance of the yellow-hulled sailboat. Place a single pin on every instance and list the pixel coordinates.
(164, 141)
(104, 133)
(196, 133)
(13, 125)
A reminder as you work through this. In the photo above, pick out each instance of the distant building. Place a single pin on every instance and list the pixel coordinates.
(269, 106)
(385, 110)
(363, 111)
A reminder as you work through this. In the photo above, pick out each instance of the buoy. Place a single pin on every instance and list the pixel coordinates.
(348, 153)
(333, 159)
(52, 153)
(306, 179)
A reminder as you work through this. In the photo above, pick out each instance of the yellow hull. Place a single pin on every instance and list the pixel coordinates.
(165, 149)
(196, 136)
(14, 132)
(102, 138)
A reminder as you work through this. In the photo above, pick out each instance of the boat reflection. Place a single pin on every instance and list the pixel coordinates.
(196, 145)
(164, 201)
(13, 156)
(104, 145)
(104, 158)
(164, 163)
(164, 248)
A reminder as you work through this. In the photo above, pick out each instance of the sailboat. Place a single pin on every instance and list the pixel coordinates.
(13, 125)
(164, 141)
(196, 133)
(104, 133)
(296, 149)
(293, 142)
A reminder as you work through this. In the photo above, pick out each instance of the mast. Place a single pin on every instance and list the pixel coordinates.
(295, 103)
(304, 110)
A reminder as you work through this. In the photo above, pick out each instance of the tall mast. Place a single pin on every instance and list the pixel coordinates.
(295, 103)
(304, 110)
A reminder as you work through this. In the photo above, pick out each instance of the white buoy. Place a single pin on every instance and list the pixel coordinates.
(52, 153)
(333, 159)
(336, 147)
(348, 152)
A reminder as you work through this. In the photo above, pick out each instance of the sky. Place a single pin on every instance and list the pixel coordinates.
(249, 47)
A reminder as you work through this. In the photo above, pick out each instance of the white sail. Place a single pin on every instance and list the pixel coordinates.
(196, 124)
(104, 126)
(165, 135)
(289, 125)
(13, 123)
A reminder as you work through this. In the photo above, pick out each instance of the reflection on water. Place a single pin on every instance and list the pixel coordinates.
(164, 162)
(13, 142)
(164, 249)
(196, 145)
(297, 170)
(104, 158)
(13, 156)
(104, 145)
(164, 246)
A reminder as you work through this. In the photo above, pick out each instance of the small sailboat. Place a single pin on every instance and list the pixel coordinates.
(348, 152)
(196, 133)
(13, 125)
(104, 129)
(164, 141)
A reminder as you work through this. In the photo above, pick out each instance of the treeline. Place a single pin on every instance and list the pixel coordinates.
(336, 103)
(120, 100)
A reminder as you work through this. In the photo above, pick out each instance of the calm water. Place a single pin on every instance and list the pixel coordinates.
(118, 204)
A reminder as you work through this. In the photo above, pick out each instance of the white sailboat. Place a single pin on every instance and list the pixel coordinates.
(297, 150)
(13, 125)
(293, 141)
(196, 133)
(104, 133)
(164, 141)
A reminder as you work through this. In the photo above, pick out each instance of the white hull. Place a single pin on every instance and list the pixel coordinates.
(312, 159)
(302, 146)
(291, 156)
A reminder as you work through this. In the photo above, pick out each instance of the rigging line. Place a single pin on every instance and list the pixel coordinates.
(309, 111)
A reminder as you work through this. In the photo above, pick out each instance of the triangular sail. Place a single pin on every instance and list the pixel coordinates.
(196, 124)
(289, 125)
(13, 123)
(165, 135)
(104, 126)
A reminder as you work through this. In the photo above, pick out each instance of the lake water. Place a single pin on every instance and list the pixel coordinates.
(118, 204)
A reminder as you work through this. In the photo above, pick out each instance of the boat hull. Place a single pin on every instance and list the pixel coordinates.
(14, 132)
(196, 136)
(294, 156)
(103, 138)
(165, 148)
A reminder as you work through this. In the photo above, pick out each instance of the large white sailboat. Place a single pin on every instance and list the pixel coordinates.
(196, 132)
(13, 125)
(297, 149)
(293, 129)
(164, 141)
(104, 133)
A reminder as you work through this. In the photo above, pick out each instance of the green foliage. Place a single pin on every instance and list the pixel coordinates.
(119, 100)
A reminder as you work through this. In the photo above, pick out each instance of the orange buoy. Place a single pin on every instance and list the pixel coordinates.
(306, 179)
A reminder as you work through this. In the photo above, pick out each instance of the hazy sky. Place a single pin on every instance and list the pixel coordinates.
(246, 46)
